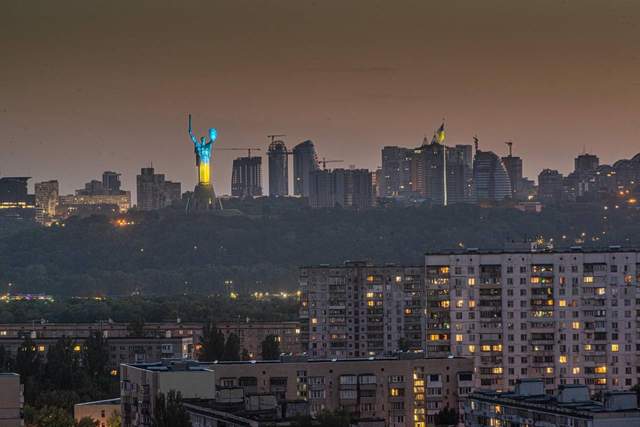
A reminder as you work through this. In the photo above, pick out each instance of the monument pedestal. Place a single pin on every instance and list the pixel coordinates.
(203, 199)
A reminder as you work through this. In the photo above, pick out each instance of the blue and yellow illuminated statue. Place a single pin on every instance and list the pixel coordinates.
(204, 197)
(202, 149)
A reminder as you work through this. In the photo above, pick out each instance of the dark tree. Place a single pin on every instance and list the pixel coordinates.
(270, 348)
(136, 327)
(169, 411)
(232, 348)
(95, 357)
(447, 417)
(212, 343)
(245, 354)
(403, 344)
(87, 422)
(62, 364)
(338, 418)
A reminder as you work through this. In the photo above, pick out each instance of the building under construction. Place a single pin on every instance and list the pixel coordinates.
(246, 177)
(278, 167)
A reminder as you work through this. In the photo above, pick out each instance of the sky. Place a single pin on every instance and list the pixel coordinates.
(88, 86)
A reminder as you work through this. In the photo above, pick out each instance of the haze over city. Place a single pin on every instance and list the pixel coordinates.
(107, 86)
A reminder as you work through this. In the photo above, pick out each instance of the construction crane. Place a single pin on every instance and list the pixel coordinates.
(325, 161)
(510, 145)
(273, 137)
(249, 149)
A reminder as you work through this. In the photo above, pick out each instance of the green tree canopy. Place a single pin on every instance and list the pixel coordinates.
(270, 348)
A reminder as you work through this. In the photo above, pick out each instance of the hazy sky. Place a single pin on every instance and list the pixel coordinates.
(90, 85)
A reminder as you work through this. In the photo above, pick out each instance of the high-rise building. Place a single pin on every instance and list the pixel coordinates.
(490, 179)
(396, 171)
(565, 316)
(47, 193)
(154, 191)
(13, 189)
(353, 188)
(550, 186)
(359, 309)
(111, 182)
(513, 165)
(586, 163)
(348, 188)
(246, 177)
(321, 189)
(305, 161)
(278, 169)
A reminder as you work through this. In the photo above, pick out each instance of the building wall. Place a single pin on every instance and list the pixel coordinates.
(565, 317)
(360, 309)
(10, 400)
(99, 411)
(139, 388)
(252, 335)
(396, 390)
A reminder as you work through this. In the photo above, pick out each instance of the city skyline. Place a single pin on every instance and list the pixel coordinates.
(127, 86)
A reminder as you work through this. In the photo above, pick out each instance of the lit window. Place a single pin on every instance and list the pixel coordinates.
(497, 347)
(472, 304)
(369, 278)
(471, 281)
(459, 338)
(549, 370)
(394, 392)
(460, 303)
(444, 270)
(76, 347)
(576, 371)
(485, 347)
(398, 279)
(497, 409)
(314, 321)
(562, 303)
(407, 311)
(563, 359)
(575, 325)
(615, 347)
(369, 294)
(497, 370)
(535, 280)
(370, 303)
(41, 348)
(601, 369)
(472, 348)
(587, 347)
(588, 279)
(444, 304)
(600, 291)
(601, 381)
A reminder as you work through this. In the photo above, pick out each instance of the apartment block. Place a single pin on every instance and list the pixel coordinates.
(11, 400)
(359, 309)
(141, 384)
(252, 334)
(568, 317)
(400, 391)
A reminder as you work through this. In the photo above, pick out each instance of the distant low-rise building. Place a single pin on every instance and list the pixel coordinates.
(529, 405)
(154, 191)
(100, 411)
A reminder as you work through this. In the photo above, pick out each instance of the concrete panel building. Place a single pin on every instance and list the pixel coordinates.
(564, 316)
(359, 309)
(11, 400)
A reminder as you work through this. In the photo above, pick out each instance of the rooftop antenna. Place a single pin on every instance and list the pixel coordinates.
(510, 145)
(475, 142)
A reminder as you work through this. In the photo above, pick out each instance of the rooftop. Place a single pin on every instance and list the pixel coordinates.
(563, 250)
